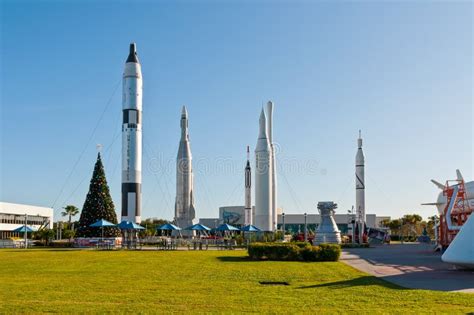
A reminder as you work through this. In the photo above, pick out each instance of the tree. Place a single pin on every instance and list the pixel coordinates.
(45, 235)
(70, 211)
(98, 205)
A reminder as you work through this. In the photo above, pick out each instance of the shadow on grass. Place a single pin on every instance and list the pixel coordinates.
(235, 259)
(361, 281)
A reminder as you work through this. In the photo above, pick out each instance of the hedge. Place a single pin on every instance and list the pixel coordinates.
(294, 251)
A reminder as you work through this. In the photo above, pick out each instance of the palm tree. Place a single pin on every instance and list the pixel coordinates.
(70, 211)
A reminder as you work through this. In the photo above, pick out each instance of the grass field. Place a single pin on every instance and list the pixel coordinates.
(213, 281)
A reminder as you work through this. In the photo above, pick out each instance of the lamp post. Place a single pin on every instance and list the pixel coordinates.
(305, 227)
(283, 224)
(26, 231)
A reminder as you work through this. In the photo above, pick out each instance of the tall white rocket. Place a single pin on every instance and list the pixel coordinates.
(360, 187)
(263, 178)
(184, 206)
(132, 138)
(248, 193)
(273, 164)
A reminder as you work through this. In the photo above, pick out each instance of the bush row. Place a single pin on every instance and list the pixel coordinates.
(295, 251)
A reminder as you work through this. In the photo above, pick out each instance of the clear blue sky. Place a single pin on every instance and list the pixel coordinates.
(400, 71)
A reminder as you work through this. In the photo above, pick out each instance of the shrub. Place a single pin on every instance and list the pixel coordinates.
(273, 251)
(294, 251)
(330, 252)
(311, 253)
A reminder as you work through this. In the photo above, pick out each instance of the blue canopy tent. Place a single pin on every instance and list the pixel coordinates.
(102, 223)
(199, 228)
(226, 227)
(169, 227)
(24, 229)
(128, 227)
(250, 228)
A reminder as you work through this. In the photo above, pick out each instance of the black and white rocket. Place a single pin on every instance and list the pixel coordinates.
(132, 138)
(184, 207)
(248, 192)
(360, 187)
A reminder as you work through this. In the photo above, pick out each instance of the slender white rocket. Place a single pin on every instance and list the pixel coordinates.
(263, 191)
(184, 206)
(248, 194)
(132, 138)
(273, 165)
(360, 187)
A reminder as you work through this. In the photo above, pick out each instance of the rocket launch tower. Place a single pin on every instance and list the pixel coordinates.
(132, 138)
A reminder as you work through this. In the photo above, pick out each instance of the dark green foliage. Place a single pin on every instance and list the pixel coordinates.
(294, 251)
(311, 253)
(98, 205)
(273, 251)
(329, 252)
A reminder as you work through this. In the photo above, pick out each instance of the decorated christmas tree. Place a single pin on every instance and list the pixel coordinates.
(98, 205)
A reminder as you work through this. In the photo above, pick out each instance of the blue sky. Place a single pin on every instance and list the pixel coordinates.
(400, 71)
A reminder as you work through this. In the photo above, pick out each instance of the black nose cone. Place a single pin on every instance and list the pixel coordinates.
(132, 56)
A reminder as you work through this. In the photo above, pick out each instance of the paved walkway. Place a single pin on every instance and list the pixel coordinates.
(413, 266)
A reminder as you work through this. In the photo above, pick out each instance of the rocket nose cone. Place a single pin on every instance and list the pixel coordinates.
(132, 56)
(184, 112)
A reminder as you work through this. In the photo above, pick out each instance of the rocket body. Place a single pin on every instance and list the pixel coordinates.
(273, 165)
(132, 138)
(248, 193)
(360, 187)
(184, 205)
(263, 179)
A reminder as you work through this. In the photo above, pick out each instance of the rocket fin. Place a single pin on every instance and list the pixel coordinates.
(438, 184)
(459, 175)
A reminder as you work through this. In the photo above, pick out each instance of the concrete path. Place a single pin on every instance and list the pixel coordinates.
(413, 266)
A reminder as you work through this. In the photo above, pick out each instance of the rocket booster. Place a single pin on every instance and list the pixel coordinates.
(184, 206)
(132, 138)
(263, 190)
(273, 165)
(360, 185)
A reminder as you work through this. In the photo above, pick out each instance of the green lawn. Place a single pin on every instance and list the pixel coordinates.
(213, 281)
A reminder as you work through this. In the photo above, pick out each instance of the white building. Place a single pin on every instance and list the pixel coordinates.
(13, 215)
(295, 222)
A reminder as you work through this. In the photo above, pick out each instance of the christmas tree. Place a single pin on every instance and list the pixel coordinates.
(98, 205)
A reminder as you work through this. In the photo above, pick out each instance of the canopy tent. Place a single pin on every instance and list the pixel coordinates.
(226, 227)
(24, 229)
(250, 228)
(128, 228)
(102, 223)
(168, 227)
(198, 227)
(127, 225)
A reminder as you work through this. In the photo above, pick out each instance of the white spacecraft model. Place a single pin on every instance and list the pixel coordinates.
(185, 213)
(461, 250)
(265, 174)
(455, 229)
